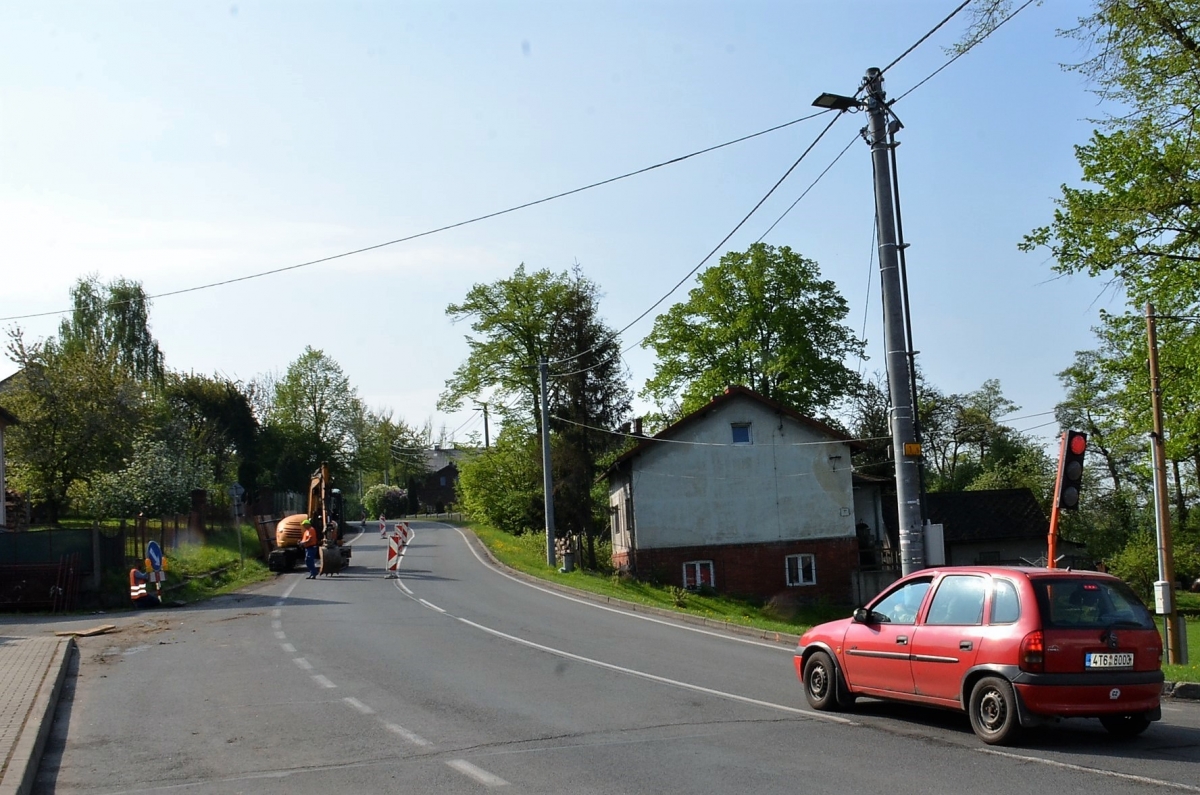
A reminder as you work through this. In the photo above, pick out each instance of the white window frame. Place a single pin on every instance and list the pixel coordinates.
(697, 580)
(749, 432)
(799, 558)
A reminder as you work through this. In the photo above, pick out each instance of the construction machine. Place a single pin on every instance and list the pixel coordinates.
(327, 514)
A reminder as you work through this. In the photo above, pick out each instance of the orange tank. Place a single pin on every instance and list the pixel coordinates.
(288, 531)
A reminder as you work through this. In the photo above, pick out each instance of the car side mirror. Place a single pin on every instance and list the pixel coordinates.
(862, 615)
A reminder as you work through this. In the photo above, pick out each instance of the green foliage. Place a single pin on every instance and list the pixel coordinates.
(1137, 563)
(503, 485)
(390, 501)
(113, 320)
(764, 319)
(217, 420)
(679, 596)
(157, 480)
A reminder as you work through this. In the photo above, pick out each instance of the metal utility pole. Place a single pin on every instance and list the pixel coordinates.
(1165, 587)
(904, 439)
(547, 477)
(486, 443)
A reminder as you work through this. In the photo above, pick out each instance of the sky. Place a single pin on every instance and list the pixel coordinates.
(186, 143)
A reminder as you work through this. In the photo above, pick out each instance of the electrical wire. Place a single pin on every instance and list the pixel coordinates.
(964, 51)
(806, 190)
(447, 227)
(711, 444)
(921, 40)
(870, 279)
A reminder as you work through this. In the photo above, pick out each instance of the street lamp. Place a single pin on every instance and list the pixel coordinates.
(836, 102)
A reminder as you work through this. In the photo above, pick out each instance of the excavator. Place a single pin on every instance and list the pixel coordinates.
(326, 511)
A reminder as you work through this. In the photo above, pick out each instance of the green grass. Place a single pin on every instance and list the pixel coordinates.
(527, 553)
(201, 571)
(1189, 603)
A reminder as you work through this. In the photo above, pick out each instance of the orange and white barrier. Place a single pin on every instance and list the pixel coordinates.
(396, 543)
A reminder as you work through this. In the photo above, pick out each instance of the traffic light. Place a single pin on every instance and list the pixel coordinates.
(1070, 473)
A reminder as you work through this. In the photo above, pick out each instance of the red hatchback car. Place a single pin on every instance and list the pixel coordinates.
(1013, 647)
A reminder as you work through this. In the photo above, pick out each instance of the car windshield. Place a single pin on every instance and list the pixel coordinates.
(1081, 603)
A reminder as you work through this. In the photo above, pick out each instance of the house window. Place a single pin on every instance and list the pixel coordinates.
(443, 480)
(741, 432)
(801, 569)
(698, 574)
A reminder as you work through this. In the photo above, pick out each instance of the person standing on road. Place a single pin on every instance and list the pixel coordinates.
(382, 526)
(137, 590)
(308, 543)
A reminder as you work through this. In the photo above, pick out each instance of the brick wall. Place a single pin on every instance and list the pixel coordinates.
(756, 570)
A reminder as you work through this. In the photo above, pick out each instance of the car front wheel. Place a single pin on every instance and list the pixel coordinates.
(993, 711)
(821, 684)
(1125, 725)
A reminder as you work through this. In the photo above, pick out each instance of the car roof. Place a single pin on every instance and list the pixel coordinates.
(1031, 572)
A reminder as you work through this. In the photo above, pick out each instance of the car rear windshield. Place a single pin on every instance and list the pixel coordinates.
(1082, 603)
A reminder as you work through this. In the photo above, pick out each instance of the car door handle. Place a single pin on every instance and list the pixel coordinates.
(965, 645)
(902, 640)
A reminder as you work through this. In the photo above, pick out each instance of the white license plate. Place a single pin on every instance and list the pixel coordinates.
(1108, 660)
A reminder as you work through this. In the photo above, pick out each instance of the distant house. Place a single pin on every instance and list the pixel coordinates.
(439, 487)
(996, 526)
(743, 495)
(6, 420)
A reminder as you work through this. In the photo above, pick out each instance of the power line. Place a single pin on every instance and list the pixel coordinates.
(447, 227)
(921, 40)
(806, 190)
(711, 444)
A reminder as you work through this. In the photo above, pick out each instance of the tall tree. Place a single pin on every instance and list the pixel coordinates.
(763, 318)
(219, 421)
(114, 319)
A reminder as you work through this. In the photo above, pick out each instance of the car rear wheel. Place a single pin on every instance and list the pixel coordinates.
(993, 711)
(1125, 725)
(823, 686)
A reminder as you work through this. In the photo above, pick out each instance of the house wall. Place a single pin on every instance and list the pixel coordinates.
(3, 482)
(620, 513)
(1004, 551)
(756, 570)
(791, 483)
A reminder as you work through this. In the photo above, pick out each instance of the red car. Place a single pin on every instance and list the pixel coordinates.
(1013, 647)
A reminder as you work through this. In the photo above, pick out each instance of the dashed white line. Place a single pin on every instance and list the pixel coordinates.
(479, 774)
(358, 705)
(277, 624)
(403, 587)
(431, 606)
(412, 737)
(303, 663)
(280, 635)
(289, 648)
(1096, 770)
(276, 613)
(323, 681)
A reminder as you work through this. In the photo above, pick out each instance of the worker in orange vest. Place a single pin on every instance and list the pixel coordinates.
(308, 542)
(137, 590)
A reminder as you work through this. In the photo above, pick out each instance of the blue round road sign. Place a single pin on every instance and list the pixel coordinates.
(154, 552)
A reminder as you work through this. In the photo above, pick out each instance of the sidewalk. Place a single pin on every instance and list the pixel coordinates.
(33, 670)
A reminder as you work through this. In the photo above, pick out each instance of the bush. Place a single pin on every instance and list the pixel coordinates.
(387, 500)
(1137, 563)
(503, 485)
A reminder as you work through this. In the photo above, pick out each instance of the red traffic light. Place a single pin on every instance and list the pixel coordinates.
(1078, 443)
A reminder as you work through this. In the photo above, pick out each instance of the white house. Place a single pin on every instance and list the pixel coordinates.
(743, 495)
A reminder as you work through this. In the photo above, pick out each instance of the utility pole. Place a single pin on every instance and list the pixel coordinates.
(907, 449)
(1164, 589)
(486, 443)
(547, 477)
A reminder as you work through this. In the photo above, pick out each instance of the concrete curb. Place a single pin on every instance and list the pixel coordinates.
(1181, 690)
(27, 752)
(782, 638)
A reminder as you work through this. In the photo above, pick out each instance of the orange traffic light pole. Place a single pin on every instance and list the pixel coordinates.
(1052, 537)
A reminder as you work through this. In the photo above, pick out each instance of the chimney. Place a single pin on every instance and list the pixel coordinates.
(637, 426)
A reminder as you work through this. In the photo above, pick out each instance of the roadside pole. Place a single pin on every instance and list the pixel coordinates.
(547, 477)
(1164, 589)
(907, 450)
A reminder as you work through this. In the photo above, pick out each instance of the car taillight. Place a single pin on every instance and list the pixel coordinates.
(1033, 656)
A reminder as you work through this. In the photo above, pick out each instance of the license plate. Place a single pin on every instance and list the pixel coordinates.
(1108, 660)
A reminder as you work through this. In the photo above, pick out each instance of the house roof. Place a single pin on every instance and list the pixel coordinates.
(439, 458)
(731, 393)
(977, 516)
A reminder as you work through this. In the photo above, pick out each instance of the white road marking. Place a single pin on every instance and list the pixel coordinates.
(660, 679)
(276, 624)
(590, 603)
(412, 737)
(289, 648)
(280, 635)
(288, 592)
(276, 613)
(479, 774)
(358, 705)
(404, 587)
(1157, 782)
(431, 606)
(303, 663)
(323, 681)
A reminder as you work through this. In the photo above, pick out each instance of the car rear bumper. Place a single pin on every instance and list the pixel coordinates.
(1090, 700)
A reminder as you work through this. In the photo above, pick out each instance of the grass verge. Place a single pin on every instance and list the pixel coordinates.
(1190, 603)
(527, 553)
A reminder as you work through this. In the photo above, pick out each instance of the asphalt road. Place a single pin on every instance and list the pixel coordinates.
(457, 678)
